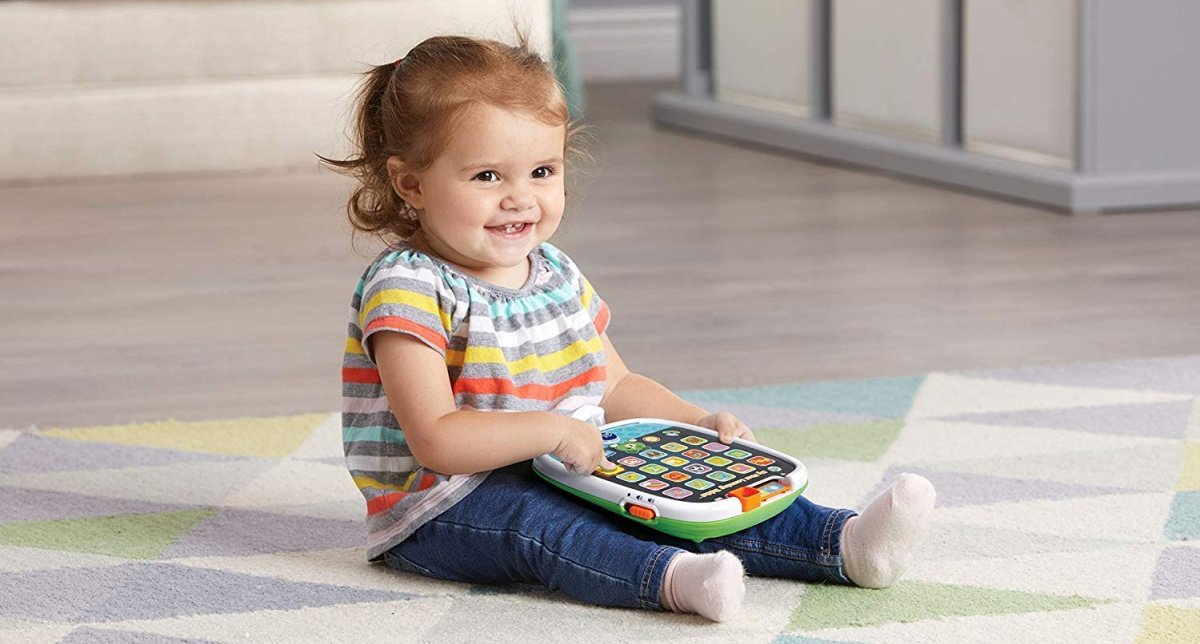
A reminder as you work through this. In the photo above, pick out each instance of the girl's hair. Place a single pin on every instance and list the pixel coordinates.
(408, 109)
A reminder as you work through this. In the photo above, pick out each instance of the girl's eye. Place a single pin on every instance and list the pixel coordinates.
(487, 176)
(543, 172)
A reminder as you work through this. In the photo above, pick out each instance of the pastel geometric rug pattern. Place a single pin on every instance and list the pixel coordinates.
(1068, 511)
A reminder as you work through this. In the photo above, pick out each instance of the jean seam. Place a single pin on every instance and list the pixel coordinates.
(648, 575)
(535, 540)
(827, 533)
(767, 547)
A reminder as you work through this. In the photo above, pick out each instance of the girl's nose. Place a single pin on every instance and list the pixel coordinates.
(518, 202)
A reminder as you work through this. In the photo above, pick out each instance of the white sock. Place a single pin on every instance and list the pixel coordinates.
(710, 585)
(877, 544)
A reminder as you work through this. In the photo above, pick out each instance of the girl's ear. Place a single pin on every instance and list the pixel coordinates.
(405, 183)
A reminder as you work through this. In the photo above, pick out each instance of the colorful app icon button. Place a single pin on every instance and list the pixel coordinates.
(696, 454)
(631, 461)
(741, 468)
(609, 438)
(608, 453)
(674, 447)
(716, 447)
(696, 468)
(652, 454)
(761, 460)
(737, 453)
(632, 477)
(678, 493)
(718, 461)
(653, 468)
(693, 440)
(650, 439)
(617, 469)
(721, 477)
(653, 484)
(676, 477)
(670, 432)
(675, 461)
(630, 448)
(699, 484)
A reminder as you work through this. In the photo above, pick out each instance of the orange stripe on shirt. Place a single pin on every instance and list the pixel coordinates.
(364, 375)
(601, 321)
(403, 324)
(384, 502)
(501, 386)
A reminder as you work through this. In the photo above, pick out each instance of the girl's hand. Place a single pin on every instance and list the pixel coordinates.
(727, 426)
(581, 449)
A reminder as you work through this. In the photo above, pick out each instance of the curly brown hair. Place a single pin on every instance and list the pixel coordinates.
(407, 109)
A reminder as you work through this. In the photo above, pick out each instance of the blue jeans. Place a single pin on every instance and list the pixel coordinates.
(517, 528)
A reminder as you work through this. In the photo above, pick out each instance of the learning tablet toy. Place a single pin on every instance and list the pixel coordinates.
(680, 479)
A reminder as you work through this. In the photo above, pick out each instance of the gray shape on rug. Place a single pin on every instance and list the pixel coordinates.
(957, 489)
(157, 591)
(89, 635)
(1177, 374)
(34, 453)
(1178, 574)
(23, 504)
(248, 532)
(1157, 420)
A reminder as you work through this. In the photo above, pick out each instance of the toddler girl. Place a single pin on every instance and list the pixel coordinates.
(463, 145)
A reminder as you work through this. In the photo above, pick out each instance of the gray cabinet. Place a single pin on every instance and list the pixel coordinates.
(1081, 105)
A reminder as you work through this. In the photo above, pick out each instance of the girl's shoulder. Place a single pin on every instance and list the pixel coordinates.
(558, 261)
(400, 255)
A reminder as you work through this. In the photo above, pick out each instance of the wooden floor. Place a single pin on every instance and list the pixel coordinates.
(216, 297)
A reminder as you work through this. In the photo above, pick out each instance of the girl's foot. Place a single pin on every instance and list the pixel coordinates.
(710, 585)
(877, 545)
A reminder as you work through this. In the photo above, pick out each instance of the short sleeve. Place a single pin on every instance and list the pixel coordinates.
(407, 295)
(596, 307)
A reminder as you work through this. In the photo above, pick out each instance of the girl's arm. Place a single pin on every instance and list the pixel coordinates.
(462, 442)
(631, 395)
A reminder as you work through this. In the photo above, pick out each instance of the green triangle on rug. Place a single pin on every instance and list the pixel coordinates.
(130, 536)
(829, 606)
(846, 441)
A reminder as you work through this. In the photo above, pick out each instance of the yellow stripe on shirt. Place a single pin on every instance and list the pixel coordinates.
(545, 364)
(401, 296)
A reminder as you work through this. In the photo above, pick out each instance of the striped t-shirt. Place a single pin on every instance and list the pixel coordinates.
(536, 348)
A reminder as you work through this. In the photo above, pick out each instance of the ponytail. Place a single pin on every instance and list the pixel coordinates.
(374, 207)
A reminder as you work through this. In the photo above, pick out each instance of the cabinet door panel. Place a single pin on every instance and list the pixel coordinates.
(762, 54)
(1020, 79)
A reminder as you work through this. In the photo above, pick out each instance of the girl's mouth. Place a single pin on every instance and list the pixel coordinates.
(511, 231)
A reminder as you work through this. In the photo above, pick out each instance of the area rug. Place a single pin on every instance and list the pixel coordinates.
(1068, 511)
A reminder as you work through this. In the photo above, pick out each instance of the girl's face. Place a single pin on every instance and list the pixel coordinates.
(494, 193)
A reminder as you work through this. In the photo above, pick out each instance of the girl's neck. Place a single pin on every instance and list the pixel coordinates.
(418, 241)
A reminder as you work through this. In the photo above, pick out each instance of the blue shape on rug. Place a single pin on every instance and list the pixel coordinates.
(876, 398)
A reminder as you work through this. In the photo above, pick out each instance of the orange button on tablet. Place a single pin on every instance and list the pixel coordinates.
(639, 511)
(749, 497)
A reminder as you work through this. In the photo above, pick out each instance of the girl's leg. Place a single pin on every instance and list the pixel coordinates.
(802, 542)
(818, 544)
(517, 528)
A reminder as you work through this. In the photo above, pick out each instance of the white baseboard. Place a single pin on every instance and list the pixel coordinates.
(628, 42)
